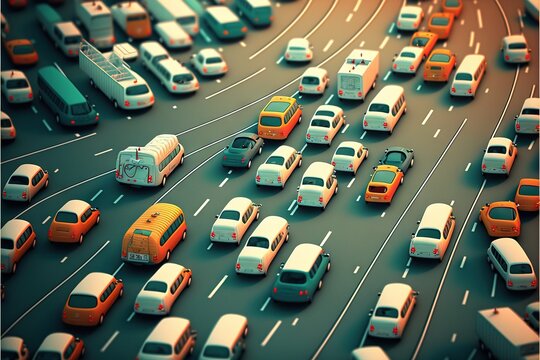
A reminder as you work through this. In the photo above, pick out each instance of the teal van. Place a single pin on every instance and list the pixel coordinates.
(258, 12)
(67, 103)
(224, 23)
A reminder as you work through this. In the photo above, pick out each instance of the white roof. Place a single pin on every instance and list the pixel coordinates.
(470, 62)
(394, 295)
(55, 342)
(332, 108)
(511, 325)
(95, 7)
(226, 329)
(318, 169)
(154, 48)
(303, 257)
(350, 144)
(284, 150)
(172, 28)
(26, 170)
(68, 28)
(511, 250)
(435, 216)
(93, 284)
(388, 94)
(209, 52)
(260, 3)
(168, 330)
(417, 50)
(532, 102)
(269, 225)
(13, 228)
(515, 39)
(300, 42)
(369, 353)
(75, 206)
(222, 13)
(12, 74)
(174, 67)
(315, 71)
(501, 141)
(168, 272)
(238, 203)
(411, 9)
(129, 7)
(12, 343)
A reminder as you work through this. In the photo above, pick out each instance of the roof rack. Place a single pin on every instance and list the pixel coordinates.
(113, 65)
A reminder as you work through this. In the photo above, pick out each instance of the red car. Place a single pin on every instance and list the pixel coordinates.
(21, 52)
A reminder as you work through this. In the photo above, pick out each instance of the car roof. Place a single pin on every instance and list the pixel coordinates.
(411, 9)
(13, 74)
(514, 38)
(389, 92)
(93, 284)
(529, 181)
(350, 144)
(396, 148)
(75, 206)
(424, 34)
(68, 28)
(168, 272)
(504, 203)
(470, 62)
(513, 252)
(298, 42)
(129, 7)
(222, 13)
(12, 343)
(238, 203)
(387, 168)
(226, 329)
(442, 14)
(532, 102)
(154, 47)
(170, 25)
(500, 141)
(302, 257)
(55, 342)
(369, 353)
(333, 108)
(435, 216)
(268, 225)
(26, 170)
(394, 295)
(246, 135)
(95, 7)
(16, 42)
(13, 228)
(315, 71)
(174, 67)
(207, 52)
(318, 168)
(168, 330)
(283, 150)
(5, 116)
(414, 49)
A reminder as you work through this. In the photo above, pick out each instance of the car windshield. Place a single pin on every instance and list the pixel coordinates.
(386, 312)
(216, 352)
(520, 269)
(308, 180)
(80, 109)
(497, 149)
(157, 286)
(214, 60)
(242, 143)
(464, 76)
(277, 106)
(23, 49)
(420, 41)
(9, 355)
(44, 355)
(182, 78)
(408, 16)
(502, 213)
(395, 158)
(429, 233)
(82, 301)
(137, 90)
(310, 80)
(230, 215)
(297, 48)
(324, 113)
(440, 21)
(157, 348)
(257, 241)
(320, 123)
(270, 121)
(383, 108)
(384, 176)
(7, 244)
(347, 151)
(18, 180)
(292, 277)
(451, 3)
(377, 189)
(71, 40)
(407, 54)
(444, 58)
(5, 123)
(531, 111)
(275, 160)
(514, 46)
(17, 84)
(66, 217)
(528, 190)
(137, 17)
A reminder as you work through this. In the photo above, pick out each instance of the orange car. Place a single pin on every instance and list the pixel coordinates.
(21, 52)
(452, 6)
(527, 197)
(425, 39)
(440, 65)
(383, 184)
(279, 117)
(501, 219)
(441, 24)
(73, 221)
(18, 3)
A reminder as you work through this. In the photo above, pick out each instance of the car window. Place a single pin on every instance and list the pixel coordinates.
(66, 217)
(320, 123)
(395, 158)
(157, 286)
(23, 49)
(292, 277)
(71, 40)
(530, 111)
(80, 109)
(420, 41)
(429, 233)
(440, 21)
(257, 241)
(297, 48)
(528, 190)
(408, 16)
(216, 352)
(347, 151)
(464, 76)
(520, 269)
(451, 3)
(310, 80)
(158, 58)
(157, 348)
(308, 180)
(45, 355)
(18, 180)
(17, 84)
(230, 215)
(270, 121)
(7, 244)
(444, 58)
(502, 213)
(214, 60)
(242, 143)
(407, 54)
(386, 312)
(275, 160)
(82, 301)
(496, 149)
(277, 106)
(514, 46)
(377, 189)
(324, 113)
(137, 90)
(384, 176)
(379, 108)
(182, 78)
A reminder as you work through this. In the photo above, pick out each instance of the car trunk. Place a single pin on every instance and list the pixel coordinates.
(141, 249)
(269, 174)
(310, 195)
(342, 163)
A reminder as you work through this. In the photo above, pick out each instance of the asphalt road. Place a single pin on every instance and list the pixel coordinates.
(368, 243)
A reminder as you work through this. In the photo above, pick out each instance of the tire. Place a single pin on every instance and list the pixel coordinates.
(189, 282)
(168, 255)
(46, 183)
(482, 345)
(412, 163)
(164, 181)
(491, 266)
(405, 110)
(323, 207)
(249, 164)
(374, 84)
(14, 268)
(319, 285)
(257, 216)
(34, 243)
(115, 103)
(367, 154)
(184, 235)
(246, 331)
(300, 119)
(328, 266)
(101, 319)
(121, 292)
(182, 160)
(300, 163)
(260, 150)
(336, 190)
(83, 351)
(287, 237)
(401, 181)
(92, 83)
(97, 219)
(57, 118)
(81, 239)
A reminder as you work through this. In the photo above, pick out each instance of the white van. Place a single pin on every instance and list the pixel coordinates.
(177, 10)
(393, 310)
(161, 291)
(172, 35)
(278, 167)
(67, 37)
(172, 338)
(468, 76)
(227, 339)
(96, 17)
(151, 164)
(262, 246)
(175, 77)
(510, 260)
(151, 53)
(258, 12)
(385, 109)
(358, 74)
(318, 185)
(224, 23)
(369, 353)
(234, 220)
(434, 232)
(528, 120)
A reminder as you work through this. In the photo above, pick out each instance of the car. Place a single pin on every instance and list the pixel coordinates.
(7, 127)
(424, 39)
(299, 50)
(452, 6)
(398, 156)
(348, 156)
(172, 35)
(531, 314)
(234, 220)
(499, 156)
(60, 345)
(515, 49)
(383, 184)
(318, 186)
(126, 51)
(439, 65)
(5, 26)
(369, 353)
(408, 60)
(73, 221)
(410, 17)
(18, 3)
(25, 182)
(16, 87)
(242, 149)
(18, 237)
(528, 121)
(209, 61)
(314, 81)
(279, 117)
(21, 52)
(527, 198)
(325, 124)
(172, 338)
(13, 347)
(501, 219)
(441, 24)
(532, 8)
(278, 167)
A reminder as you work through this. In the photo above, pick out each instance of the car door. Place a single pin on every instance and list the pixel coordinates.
(86, 220)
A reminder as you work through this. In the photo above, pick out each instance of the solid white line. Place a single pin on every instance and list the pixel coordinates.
(409, 262)
(430, 9)
(292, 204)
(427, 117)
(46, 219)
(46, 124)
(175, 107)
(531, 145)
(383, 44)
(321, 22)
(201, 207)
(54, 289)
(327, 46)
(350, 183)
(452, 203)
(34, 109)
(218, 286)
(349, 17)
(103, 152)
(118, 199)
(329, 99)
(229, 172)
(235, 84)
(109, 342)
(494, 287)
(387, 75)
(453, 339)
(521, 25)
(474, 227)
(96, 195)
(131, 316)
(325, 238)
(294, 210)
(471, 39)
(392, 26)
(56, 170)
(468, 166)
(223, 182)
(271, 333)
(363, 135)
(532, 90)
(356, 269)
(64, 259)
(210, 246)
(266, 302)
(515, 139)
(243, 44)
(118, 269)
(59, 69)
(362, 43)
(479, 15)
(477, 48)
(345, 128)
(295, 93)
(384, 213)
(437, 133)
(295, 321)
(205, 36)
(465, 297)
(357, 5)
(279, 60)
(527, 69)
(303, 148)
(473, 353)
(418, 87)
(509, 98)
(359, 197)
(405, 273)
(463, 262)
(451, 108)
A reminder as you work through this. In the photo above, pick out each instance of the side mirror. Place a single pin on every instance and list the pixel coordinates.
(217, 216)
(484, 150)
(453, 217)
(326, 255)
(281, 265)
(416, 293)
(370, 313)
(227, 146)
(385, 151)
(515, 116)
(412, 236)
(380, 161)
(298, 189)
(93, 209)
(118, 281)
(418, 222)
(333, 176)
(76, 340)
(374, 168)
(194, 333)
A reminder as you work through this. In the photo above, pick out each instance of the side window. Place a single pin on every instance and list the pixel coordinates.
(319, 260)
(35, 180)
(329, 183)
(245, 217)
(445, 231)
(274, 244)
(511, 150)
(69, 350)
(394, 112)
(181, 219)
(405, 307)
(312, 271)
(200, 59)
(503, 263)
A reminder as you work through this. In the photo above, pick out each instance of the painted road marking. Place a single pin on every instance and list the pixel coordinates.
(471, 39)
(56, 170)
(387, 75)
(236, 83)
(349, 17)
(118, 199)
(229, 172)
(205, 36)
(527, 70)
(357, 5)
(64, 259)
(384, 42)
(487, 90)
(515, 139)
(218, 286)
(451, 108)
(427, 117)
(77, 135)
(201, 207)
(452, 203)
(430, 9)
(409, 262)
(295, 321)
(453, 339)
(210, 246)
(46, 219)
(463, 262)
(384, 213)
(243, 44)
(350, 183)
(279, 60)
(46, 124)
(465, 297)
(532, 90)
(303, 148)
(131, 316)
(96, 195)
(418, 87)
(271, 333)
(437, 133)
(494, 287)
(345, 128)
(362, 43)
(327, 46)
(266, 302)
(405, 273)
(294, 210)
(520, 18)
(326, 238)
(292, 204)
(34, 109)
(103, 152)
(109, 342)
(359, 197)
(356, 269)
(363, 135)
(392, 26)
(445, 44)
(468, 167)
(223, 182)
(473, 353)
(329, 99)
(477, 48)
(479, 15)
(531, 145)
(474, 227)
(118, 269)
(462, 22)
(218, 81)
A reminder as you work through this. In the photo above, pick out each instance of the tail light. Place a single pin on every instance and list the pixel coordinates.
(126, 103)
(326, 137)
(515, 229)
(205, 70)
(537, 127)
(333, 163)
(258, 178)
(70, 52)
(518, 126)
(303, 292)
(224, 157)
(399, 23)
(243, 160)
(308, 136)
(275, 290)
(386, 197)
(308, 56)
(160, 307)
(469, 91)
(527, 56)
(72, 122)
(385, 124)
(212, 234)
(279, 179)
(92, 40)
(503, 166)
(155, 258)
(113, 39)
(73, 235)
(124, 253)
(320, 199)
(11, 98)
(259, 267)
(174, 87)
(533, 283)
(493, 228)
(395, 66)
(435, 251)
(359, 94)
(411, 67)
(24, 194)
(195, 28)
(152, 99)
(97, 117)
(4, 194)
(301, 88)
(453, 89)
(90, 317)
(64, 313)
(483, 166)
(137, 305)
(149, 180)
(416, 24)
(299, 199)
(244, 29)
(395, 330)
(413, 250)
(506, 57)
(509, 283)
(30, 95)
(237, 266)
(287, 55)
(340, 92)
(225, 68)
(371, 328)
(350, 166)
(318, 88)
(225, 32)
(365, 123)
(233, 235)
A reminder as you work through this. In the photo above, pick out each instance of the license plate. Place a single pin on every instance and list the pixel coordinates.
(137, 257)
(375, 197)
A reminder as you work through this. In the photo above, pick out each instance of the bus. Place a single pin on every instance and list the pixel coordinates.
(177, 10)
(133, 19)
(97, 19)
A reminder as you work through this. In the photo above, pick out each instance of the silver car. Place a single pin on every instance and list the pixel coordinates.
(25, 182)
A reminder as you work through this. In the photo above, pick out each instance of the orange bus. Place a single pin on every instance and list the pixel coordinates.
(133, 19)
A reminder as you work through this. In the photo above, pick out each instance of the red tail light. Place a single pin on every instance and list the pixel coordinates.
(212, 234)
(320, 199)
(519, 126)
(126, 103)
(11, 98)
(326, 137)
(155, 258)
(300, 88)
(4, 194)
(506, 57)
(399, 23)
(493, 228)
(72, 122)
(365, 123)
(97, 117)
(350, 166)
(160, 307)
(205, 70)
(174, 87)
(318, 88)
(299, 199)
(233, 235)
(303, 292)
(340, 92)
(30, 95)
(224, 157)
(435, 251)
(24, 194)
(275, 290)
(453, 89)
(411, 67)
(287, 55)
(416, 24)
(124, 253)
(395, 330)
(149, 180)
(308, 56)
(515, 229)
(395, 66)
(308, 135)
(243, 160)
(73, 235)
(413, 250)
(385, 124)
(527, 56)
(533, 283)
(371, 328)
(225, 32)
(70, 52)
(503, 166)
(258, 178)
(137, 305)
(90, 317)
(152, 99)
(510, 283)
(237, 266)
(333, 163)
(483, 166)
(279, 179)
(244, 29)
(469, 91)
(113, 39)
(359, 94)
(259, 267)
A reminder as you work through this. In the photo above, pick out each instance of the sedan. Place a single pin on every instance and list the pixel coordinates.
(7, 127)
(398, 156)
(15, 87)
(453, 7)
(209, 62)
(515, 49)
(408, 60)
(440, 65)
(298, 50)
(410, 17)
(21, 52)
(441, 24)
(501, 219)
(527, 196)
(172, 35)
(349, 156)
(325, 124)
(383, 184)
(426, 40)
(499, 156)
(314, 81)
(528, 120)
(242, 150)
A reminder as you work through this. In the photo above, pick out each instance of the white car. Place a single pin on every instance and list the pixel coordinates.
(13, 347)
(278, 167)
(499, 156)
(25, 182)
(7, 127)
(528, 120)
(531, 314)
(325, 124)
(314, 81)
(234, 220)
(409, 59)
(172, 35)
(126, 51)
(60, 345)
(515, 49)
(209, 62)
(410, 17)
(318, 186)
(349, 155)
(175, 77)
(15, 87)
(298, 50)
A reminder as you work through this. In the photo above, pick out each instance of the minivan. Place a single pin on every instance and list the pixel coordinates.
(318, 186)
(434, 232)
(468, 75)
(279, 117)
(179, 11)
(227, 339)
(172, 338)
(18, 237)
(385, 109)
(301, 276)
(234, 220)
(258, 12)
(224, 23)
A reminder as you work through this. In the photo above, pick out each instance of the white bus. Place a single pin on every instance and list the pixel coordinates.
(97, 19)
(151, 164)
(177, 10)
(358, 74)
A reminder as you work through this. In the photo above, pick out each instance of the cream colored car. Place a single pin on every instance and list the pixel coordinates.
(325, 125)
(349, 155)
(318, 186)
(278, 167)
(234, 220)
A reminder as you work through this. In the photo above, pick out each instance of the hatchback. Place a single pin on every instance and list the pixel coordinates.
(383, 184)
(18, 237)
(426, 40)
(499, 156)
(242, 150)
(453, 7)
(440, 65)
(410, 17)
(8, 129)
(349, 155)
(16, 87)
(25, 182)
(62, 346)
(408, 60)
(314, 81)
(515, 49)
(527, 198)
(73, 221)
(209, 62)
(501, 219)
(21, 52)
(13, 347)
(325, 124)
(299, 50)
(172, 35)
(441, 24)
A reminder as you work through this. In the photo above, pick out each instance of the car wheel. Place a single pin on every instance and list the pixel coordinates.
(405, 110)
(482, 345)
(189, 282)
(57, 118)
(121, 293)
(287, 237)
(83, 351)
(328, 267)
(115, 103)
(491, 266)
(323, 207)
(260, 150)
(184, 235)
(92, 83)
(168, 255)
(46, 183)
(336, 190)
(182, 160)
(300, 119)
(81, 238)
(34, 243)
(300, 163)
(355, 171)
(14, 268)
(367, 154)
(257, 216)
(163, 181)
(97, 219)
(412, 163)
(191, 349)
(319, 285)
(374, 84)
(249, 164)
(401, 181)
(101, 318)
(245, 334)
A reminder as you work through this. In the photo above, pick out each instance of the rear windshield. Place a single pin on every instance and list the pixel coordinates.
(407, 54)
(429, 233)
(531, 111)
(142, 232)
(520, 269)
(216, 352)
(514, 46)
(420, 41)
(395, 158)
(528, 190)
(297, 48)
(464, 76)
(310, 80)
(23, 49)
(17, 84)
(158, 286)
(66, 217)
(43, 355)
(444, 58)
(440, 21)
(82, 301)
(230, 215)
(451, 3)
(320, 123)
(137, 17)
(377, 189)
(182, 78)
(5, 123)
(18, 180)
(292, 277)
(257, 241)
(383, 108)
(502, 213)
(157, 348)
(384, 176)
(186, 20)
(242, 143)
(270, 121)
(275, 160)
(7, 244)
(497, 149)
(312, 181)
(70, 40)
(345, 151)
(80, 109)
(9, 354)
(214, 60)
(324, 113)
(137, 90)
(408, 16)
(386, 312)
(277, 106)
